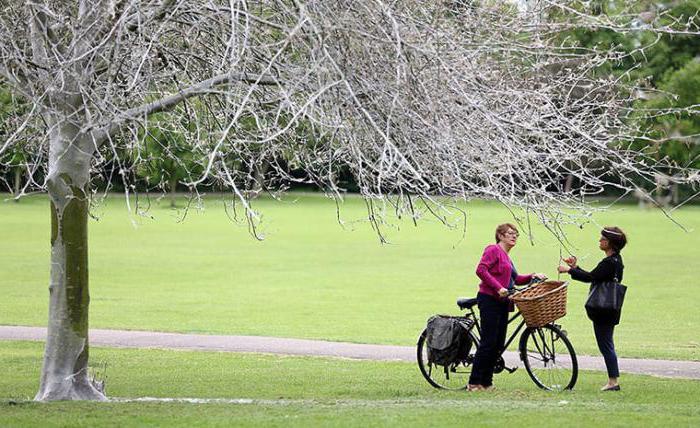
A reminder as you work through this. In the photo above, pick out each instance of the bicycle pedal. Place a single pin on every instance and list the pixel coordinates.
(510, 370)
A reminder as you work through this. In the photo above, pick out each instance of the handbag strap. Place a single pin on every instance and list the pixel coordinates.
(617, 268)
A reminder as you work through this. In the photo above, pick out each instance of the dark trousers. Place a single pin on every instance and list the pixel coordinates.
(494, 325)
(604, 337)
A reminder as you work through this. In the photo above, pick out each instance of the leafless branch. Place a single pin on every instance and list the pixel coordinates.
(414, 99)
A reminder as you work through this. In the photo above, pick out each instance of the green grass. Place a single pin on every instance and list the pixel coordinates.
(313, 278)
(321, 391)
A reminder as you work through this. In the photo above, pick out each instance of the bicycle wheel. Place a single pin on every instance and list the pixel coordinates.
(549, 358)
(453, 377)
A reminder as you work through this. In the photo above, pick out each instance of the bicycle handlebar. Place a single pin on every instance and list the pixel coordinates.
(517, 288)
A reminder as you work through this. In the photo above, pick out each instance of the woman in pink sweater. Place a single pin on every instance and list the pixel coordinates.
(497, 274)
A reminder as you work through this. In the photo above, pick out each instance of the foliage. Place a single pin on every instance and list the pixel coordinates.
(668, 102)
(682, 130)
(166, 154)
(672, 71)
(672, 51)
(15, 159)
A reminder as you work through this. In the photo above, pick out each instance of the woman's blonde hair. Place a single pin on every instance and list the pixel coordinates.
(503, 228)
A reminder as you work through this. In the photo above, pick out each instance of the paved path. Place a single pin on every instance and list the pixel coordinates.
(275, 345)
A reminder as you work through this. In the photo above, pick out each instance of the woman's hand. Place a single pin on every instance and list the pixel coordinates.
(564, 269)
(571, 261)
(539, 276)
(503, 292)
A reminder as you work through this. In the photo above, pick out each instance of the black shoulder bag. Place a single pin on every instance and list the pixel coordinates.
(605, 301)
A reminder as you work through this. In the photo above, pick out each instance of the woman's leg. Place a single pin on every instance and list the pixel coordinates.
(604, 337)
(502, 329)
(490, 310)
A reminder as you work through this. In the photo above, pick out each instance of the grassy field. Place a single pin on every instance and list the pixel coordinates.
(313, 278)
(295, 391)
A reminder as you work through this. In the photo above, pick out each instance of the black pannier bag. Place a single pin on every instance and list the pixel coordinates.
(447, 339)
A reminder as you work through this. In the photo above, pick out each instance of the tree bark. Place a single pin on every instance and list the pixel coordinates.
(65, 371)
(18, 182)
(569, 184)
(675, 194)
(257, 185)
(172, 184)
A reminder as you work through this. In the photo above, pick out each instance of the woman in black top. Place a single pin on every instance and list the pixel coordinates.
(612, 241)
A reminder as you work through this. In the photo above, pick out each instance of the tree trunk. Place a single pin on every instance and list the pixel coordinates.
(257, 186)
(17, 183)
(172, 185)
(569, 184)
(675, 194)
(65, 372)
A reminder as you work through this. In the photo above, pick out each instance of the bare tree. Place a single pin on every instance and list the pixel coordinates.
(419, 99)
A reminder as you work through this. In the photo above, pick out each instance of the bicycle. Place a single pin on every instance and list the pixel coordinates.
(546, 352)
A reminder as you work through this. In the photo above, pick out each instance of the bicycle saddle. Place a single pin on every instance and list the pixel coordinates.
(466, 303)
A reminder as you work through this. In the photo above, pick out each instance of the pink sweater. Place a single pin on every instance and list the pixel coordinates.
(494, 270)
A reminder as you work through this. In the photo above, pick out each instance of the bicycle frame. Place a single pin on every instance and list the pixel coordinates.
(515, 333)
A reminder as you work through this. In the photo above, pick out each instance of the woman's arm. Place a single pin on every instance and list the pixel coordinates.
(523, 279)
(604, 271)
(488, 260)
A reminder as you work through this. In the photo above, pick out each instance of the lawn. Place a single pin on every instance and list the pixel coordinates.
(298, 391)
(315, 278)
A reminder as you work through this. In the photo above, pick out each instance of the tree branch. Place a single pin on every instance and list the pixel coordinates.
(166, 103)
(18, 81)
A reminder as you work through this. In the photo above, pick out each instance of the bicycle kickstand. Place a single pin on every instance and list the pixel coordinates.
(510, 370)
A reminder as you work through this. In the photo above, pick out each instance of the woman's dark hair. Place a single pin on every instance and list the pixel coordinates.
(503, 228)
(615, 236)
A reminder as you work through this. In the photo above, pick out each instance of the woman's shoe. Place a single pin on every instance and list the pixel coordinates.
(610, 388)
(472, 388)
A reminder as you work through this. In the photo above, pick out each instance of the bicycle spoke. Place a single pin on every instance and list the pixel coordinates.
(536, 356)
(548, 358)
(540, 348)
(546, 350)
(454, 376)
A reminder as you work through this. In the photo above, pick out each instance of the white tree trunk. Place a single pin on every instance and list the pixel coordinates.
(65, 372)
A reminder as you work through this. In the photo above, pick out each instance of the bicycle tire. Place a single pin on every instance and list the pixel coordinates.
(455, 377)
(549, 358)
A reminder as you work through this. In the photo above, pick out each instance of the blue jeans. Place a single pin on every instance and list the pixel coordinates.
(604, 337)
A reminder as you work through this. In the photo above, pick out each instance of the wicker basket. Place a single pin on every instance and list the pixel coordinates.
(542, 303)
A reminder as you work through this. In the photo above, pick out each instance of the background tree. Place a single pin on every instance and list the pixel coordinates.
(663, 64)
(14, 159)
(673, 76)
(168, 153)
(419, 99)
